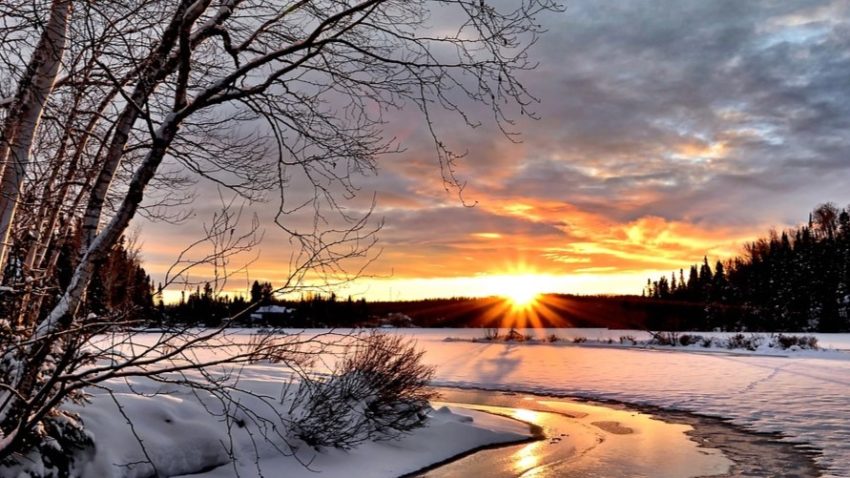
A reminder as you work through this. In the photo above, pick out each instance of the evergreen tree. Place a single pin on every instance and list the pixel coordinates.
(795, 280)
(256, 292)
(266, 293)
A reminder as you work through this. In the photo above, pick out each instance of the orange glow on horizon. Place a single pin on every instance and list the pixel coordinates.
(523, 298)
(521, 286)
(550, 247)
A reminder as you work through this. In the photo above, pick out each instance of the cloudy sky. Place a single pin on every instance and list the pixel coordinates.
(668, 130)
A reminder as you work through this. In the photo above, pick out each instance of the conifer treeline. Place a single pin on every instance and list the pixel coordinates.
(119, 286)
(796, 280)
(203, 307)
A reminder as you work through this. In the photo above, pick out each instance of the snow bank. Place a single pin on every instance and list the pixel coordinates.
(450, 432)
(778, 345)
(182, 432)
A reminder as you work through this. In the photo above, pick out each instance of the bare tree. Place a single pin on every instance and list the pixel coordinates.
(131, 86)
(22, 122)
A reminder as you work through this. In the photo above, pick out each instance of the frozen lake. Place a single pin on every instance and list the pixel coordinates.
(804, 397)
(588, 440)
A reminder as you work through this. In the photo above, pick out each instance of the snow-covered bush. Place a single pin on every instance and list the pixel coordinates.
(804, 342)
(48, 449)
(741, 341)
(52, 450)
(664, 338)
(628, 340)
(378, 391)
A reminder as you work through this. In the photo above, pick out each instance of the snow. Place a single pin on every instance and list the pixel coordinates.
(261, 312)
(274, 309)
(805, 395)
(449, 433)
(180, 436)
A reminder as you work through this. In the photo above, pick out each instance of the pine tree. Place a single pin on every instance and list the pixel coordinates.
(795, 280)
(266, 293)
(256, 292)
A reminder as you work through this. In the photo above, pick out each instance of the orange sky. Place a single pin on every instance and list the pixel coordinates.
(668, 131)
(496, 246)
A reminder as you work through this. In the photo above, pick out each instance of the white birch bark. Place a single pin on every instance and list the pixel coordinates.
(23, 124)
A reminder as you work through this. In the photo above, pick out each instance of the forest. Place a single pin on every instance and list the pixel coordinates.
(793, 280)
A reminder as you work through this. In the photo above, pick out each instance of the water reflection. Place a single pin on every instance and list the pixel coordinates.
(527, 458)
(526, 415)
(584, 440)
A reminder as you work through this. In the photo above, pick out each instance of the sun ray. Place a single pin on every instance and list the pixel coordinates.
(522, 297)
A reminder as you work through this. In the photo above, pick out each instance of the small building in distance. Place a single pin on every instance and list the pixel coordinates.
(272, 315)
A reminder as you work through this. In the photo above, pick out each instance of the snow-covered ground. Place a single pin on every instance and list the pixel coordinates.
(180, 436)
(779, 345)
(449, 433)
(805, 397)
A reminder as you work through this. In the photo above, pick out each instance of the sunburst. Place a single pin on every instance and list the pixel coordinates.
(523, 296)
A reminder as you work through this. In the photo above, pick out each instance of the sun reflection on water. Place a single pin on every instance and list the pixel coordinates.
(526, 458)
(525, 415)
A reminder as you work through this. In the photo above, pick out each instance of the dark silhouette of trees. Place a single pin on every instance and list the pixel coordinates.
(121, 286)
(205, 308)
(796, 280)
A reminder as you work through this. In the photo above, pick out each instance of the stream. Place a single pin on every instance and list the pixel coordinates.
(579, 439)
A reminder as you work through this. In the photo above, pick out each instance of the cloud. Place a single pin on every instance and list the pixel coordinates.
(670, 129)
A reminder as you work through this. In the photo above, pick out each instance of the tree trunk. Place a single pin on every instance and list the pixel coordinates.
(22, 124)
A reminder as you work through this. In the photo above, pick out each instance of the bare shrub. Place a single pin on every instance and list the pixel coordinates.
(579, 340)
(552, 338)
(664, 338)
(491, 334)
(741, 341)
(378, 391)
(514, 336)
(804, 342)
(808, 342)
(688, 339)
(628, 340)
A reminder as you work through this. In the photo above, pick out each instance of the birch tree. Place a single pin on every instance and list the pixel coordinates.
(134, 85)
(22, 121)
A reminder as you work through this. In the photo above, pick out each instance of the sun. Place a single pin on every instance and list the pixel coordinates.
(523, 299)
(522, 296)
(522, 290)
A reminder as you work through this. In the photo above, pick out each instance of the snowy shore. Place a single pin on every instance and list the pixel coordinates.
(805, 396)
(181, 438)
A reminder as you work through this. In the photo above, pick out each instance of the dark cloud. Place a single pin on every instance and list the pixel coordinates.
(714, 113)
(701, 103)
